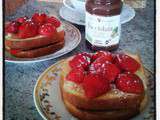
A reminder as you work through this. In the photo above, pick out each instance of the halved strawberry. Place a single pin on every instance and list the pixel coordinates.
(80, 60)
(39, 18)
(28, 29)
(12, 27)
(126, 63)
(98, 65)
(108, 55)
(108, 70)
(76, 75)
(48, 30)
(22, 19)
(95, 85)
(130, 83)
(53, 21)
(111, 71)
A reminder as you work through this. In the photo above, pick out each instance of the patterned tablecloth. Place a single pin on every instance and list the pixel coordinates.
(138, 34)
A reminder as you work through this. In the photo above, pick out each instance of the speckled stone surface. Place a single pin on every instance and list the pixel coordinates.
(137, 35)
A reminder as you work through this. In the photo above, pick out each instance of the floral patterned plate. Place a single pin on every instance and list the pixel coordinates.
(47, 97)
(72, 39)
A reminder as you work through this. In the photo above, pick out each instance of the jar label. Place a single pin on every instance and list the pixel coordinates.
(101, 30)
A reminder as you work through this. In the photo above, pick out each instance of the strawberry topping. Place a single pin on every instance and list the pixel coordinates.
(22, 19)
(126, 63)
(48, 30)
(95, 85)
(87, 54)
(98, 65)
(107, 69)
(38, 18)
(53, 21)
(12, 27)
(80, 60)
(39, 23)
(111, 71)
(108, 55)
(97, 76)
(14, 51)
(130, 83)
(28, 29)
(76, 75)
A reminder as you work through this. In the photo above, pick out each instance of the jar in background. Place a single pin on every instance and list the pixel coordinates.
(103, 27)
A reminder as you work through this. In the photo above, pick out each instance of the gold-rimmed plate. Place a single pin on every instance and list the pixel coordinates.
(47, 96)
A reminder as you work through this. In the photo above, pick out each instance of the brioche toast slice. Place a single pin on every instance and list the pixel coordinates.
(112, 100)
(33, 42)
(37, 52)
(123, 114)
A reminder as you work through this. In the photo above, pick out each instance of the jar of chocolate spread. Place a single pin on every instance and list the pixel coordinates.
(103, 28)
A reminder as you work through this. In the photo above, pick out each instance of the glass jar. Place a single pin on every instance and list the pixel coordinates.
(103, 27)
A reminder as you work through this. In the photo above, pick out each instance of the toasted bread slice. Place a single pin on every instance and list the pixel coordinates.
(33, 42)
(123, 114)
(12, 42)
(112, 100)
(37, 52)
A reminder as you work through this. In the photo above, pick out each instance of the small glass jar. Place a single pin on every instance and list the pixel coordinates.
(103, 27)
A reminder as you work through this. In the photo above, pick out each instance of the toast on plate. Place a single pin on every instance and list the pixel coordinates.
(112, 104)
(34, 37)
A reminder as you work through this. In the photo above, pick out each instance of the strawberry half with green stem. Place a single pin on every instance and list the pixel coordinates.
(80, 60)
(76, 75)
(126, 63)
(95, 85)
(130, 83)
(108, 70)
(28, 29)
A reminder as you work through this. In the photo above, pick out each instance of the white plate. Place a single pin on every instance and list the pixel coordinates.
(48, 101)
(71, 15)
(79, 5)
(72, 39)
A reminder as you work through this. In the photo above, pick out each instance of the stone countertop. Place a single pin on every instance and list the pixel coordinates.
(137, 35)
